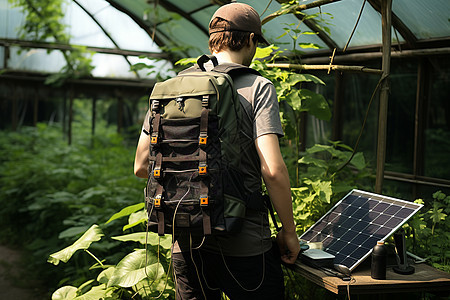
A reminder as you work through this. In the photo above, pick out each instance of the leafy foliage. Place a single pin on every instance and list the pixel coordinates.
(323, 182)
(52, 192)
(430, 231)
(88, 195)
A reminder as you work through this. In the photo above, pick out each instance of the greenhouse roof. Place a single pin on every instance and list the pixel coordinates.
(120, 31)
(178, 22)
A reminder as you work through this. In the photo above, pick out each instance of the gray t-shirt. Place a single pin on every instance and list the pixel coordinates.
(261, 116)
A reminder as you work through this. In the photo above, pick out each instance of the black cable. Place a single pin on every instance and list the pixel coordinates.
(383, 77)
(354, 28)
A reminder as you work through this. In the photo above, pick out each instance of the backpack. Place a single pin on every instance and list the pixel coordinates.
(195, 182)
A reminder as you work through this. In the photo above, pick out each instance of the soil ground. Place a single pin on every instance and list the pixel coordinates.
(15, 283)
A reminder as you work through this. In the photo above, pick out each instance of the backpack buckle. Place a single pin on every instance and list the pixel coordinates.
(157, 201)
(203, 139)
(205, 100)
(204, 200)
(154, 139)
(202, 169)
(157, 172)
(155, 105)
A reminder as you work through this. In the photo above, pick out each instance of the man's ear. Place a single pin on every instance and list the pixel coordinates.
(251, 37)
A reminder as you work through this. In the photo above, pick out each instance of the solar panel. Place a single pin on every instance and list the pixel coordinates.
(353, 226)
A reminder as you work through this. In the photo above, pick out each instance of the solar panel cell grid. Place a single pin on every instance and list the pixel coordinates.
(354, 225)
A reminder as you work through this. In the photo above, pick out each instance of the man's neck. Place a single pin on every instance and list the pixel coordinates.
(229, 57)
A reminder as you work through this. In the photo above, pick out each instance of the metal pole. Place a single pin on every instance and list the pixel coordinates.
(386, 9)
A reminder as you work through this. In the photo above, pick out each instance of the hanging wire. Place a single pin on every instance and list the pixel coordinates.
(267, 7)
(383, 77)
(356, 25)
(195, 266)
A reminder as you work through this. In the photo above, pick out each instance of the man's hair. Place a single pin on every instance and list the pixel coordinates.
(233, 40)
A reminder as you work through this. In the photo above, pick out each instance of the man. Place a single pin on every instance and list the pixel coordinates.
(245, 265)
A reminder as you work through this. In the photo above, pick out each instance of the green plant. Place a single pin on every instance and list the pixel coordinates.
(51, 192)
(429, 231)
(323, 181)
(141, 274)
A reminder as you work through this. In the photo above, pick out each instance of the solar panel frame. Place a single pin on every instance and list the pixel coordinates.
(352, 227)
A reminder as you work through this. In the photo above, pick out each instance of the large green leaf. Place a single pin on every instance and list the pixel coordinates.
(319, 148)
(65, 293)
(264, 52)
(358, 161)
(132, 269)
(436, 213)
(307, 160)
(96, 293)
(315, 104)
(296, 78)
(136, 218)
(152, 239)
(105, 275)
(93, 234)
(126, 211)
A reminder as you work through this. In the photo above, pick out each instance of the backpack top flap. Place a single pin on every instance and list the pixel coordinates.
(180, 86)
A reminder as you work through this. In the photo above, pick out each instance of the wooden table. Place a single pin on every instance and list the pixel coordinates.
(425, 278)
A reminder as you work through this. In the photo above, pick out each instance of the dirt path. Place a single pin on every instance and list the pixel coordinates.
(13, 285)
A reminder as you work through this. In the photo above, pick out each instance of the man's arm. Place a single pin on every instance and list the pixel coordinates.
(276, 178)
(141, 158)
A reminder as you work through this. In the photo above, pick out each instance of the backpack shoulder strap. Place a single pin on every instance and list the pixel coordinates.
(200, 65)
(231, 69)
(194, 68)
(234, 69)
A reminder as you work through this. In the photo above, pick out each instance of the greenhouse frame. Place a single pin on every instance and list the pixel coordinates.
(364, 97)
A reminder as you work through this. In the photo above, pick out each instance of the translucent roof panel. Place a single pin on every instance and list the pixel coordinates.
(181, 27)
(341, 19)
(86, 32)
(204, 16)
(426, 19)
(87, 23)
(37, 60)
(122, 29)
(182, 32)
(10, 20)
(108, 65)
(274, 29)
(191, 5)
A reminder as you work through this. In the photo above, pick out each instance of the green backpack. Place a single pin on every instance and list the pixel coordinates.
(195, 182)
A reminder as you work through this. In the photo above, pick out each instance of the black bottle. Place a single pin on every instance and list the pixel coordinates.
(379, 260)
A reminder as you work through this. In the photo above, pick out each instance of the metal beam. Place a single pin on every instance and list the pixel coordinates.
(386, 9)
(296, 9)
(420, 117)
(407, 34)
(328, 67)
(355, 57)
(95, 81)
(59, 46)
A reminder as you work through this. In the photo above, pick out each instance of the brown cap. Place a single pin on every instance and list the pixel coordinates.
(241, 17)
